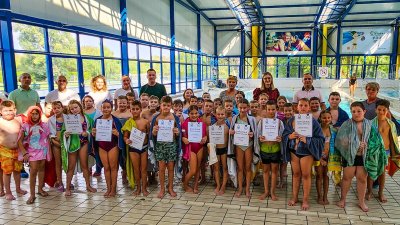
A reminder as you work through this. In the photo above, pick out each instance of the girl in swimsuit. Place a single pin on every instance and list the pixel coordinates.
(108, 150)
(193, 152)
(353, 84)
(81, 150)
(56, 123)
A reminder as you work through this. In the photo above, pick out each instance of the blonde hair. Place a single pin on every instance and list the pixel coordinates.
(93, 83)
(373, 85)
(77, 103)
(263, 84)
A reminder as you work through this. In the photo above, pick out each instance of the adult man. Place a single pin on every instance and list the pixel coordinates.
(126, 88)
(308, 91)
(24, 96)
(62, 94)
(152, 87)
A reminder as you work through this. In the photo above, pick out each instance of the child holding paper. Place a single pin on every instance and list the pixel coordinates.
(245, 152)
(270, 149)
(301, 150)
(76, 145)
(193, 142)
(165, 142)
(109, 150)
(35, 147)
(221, 151)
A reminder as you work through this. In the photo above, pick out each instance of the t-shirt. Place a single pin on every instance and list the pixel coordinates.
(303, 93)
(123, 92)
(99, 97)
(23, 99)
(64, 97)
(156, 90)
(370, 109)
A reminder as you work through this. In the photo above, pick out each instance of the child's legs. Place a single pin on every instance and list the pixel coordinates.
(361, 176)
(17, 179)
(161, 174)
(57, 160)
(248, 162)
(171, 171)
(99, 163)
(136, 162)
(71, 168)
(348, 174)
(319, 180)
(41, 166)
(1, 182)
(83, 159)
(107, 170)
(192, 169)
(240, 167)
(326, 181)
(34, 167)
(199, 165)
(306, 165)
(7, 183)
(143, 170)
(217, 176)
(381, 180)
(274, 176)
(113, 162)
(296, 176)
(224, 170)
(266, 170)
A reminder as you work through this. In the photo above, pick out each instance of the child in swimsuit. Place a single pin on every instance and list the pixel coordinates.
(109, 150)
(193, 152)
(35, 142)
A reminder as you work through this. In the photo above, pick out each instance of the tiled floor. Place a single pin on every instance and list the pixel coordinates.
(203, 208)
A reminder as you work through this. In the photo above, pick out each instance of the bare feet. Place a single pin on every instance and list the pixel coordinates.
(363, 207)
(216, 190)
(263, 196)
(221, 192)
(161, 194)
(67, 193)
(281, 184)
(10, 197)
(326, 202)
(31, 200)
(274, 198)
(292, 202)
(320, 201)
(368, 195)
(112, 194)
(341, 204)
(382, 198)
(2, 193)
(106, 194)
(238, 193)
(305, 206)
(21, 192)
(195, 190)
(189, 189)
(248, 195)
(172, 193)
(136, 193)
(91, 189)
(145, 192)
(43, 193)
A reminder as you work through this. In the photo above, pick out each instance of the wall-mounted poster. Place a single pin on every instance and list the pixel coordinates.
(295, 42)
(367, 40)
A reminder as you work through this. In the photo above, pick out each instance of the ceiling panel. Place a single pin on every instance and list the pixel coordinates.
(219, 22)
(373, 16)
(290, 19)
(375, 7)
(365, 23)
(210, 4)
(288, 2)
(214, 14)
(290, 11)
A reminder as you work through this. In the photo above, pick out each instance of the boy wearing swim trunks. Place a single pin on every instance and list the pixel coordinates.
(9, 133)
(166, 153)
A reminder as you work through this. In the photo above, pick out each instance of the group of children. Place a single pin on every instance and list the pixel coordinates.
(356, 146)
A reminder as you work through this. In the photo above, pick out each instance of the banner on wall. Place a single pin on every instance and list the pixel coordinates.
(367, 40)
(290, 42)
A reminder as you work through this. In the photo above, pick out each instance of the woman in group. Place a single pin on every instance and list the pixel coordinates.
(267, 87)
(99, 91)
(231, 92)
(186, 98)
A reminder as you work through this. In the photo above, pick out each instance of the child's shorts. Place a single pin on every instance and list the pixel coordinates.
(165, 151)
(358, 161)
(9, 165)
(268, 158)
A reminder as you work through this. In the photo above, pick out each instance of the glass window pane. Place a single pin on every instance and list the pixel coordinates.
(223, 61)
(166, 74)
(168, 88)
(382, 72)
(166, 55)
(155, 54)
(27, 37)
(133, 72)
(182, 73)
(132, 53)
(34, 64)
(182, 57)
(111, 48)
(157, 67)
(223, 72)
(113, 72)
(144, 52)
(384, 59)
(68, 68)
(91, 68)
(62, 42)
(282, 67)
(90, 45)
(144, 66)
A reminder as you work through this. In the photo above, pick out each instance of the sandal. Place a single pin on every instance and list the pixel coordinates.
(43, 194)
(30, 201)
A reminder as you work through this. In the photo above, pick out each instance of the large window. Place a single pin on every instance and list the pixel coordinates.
(62, 42)
(90, 45)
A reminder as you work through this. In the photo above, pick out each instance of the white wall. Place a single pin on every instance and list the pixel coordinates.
(185, 28)
(149, 20)
(101, 15)
(207, 36)
(228, 43)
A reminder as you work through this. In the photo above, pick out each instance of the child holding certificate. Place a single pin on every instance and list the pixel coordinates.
(108, 149)
(135, 135)
(270, 131)
(363, 153)
(194, 136)
(301, 150)
(165, 143)
(76, 145)
(242, 141)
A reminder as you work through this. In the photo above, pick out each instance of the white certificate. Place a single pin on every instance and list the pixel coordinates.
(303, 124)
(195, 132)
(73, 123)
(270, 129)
(137, 137)
(165, 133)
(217, 134)
(104, 130)
(241, 136)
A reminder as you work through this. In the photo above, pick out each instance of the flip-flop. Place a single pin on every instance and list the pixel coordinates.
(43, 194)
(31, 201)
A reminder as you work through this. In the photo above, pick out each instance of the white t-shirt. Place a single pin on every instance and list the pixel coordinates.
(120, 92)
(63, 97)
(100, 97)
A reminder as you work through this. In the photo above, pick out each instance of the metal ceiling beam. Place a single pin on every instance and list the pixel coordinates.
(348, 9)
(259, 12)
(289, 6)
(375, 12)
(321, 9)
(378, 1)
(283, 16)
(363, 20)
(192, 4)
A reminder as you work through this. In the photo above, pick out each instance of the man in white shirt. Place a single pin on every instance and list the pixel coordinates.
(308, 91)
(126, 88)
(62, 94)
